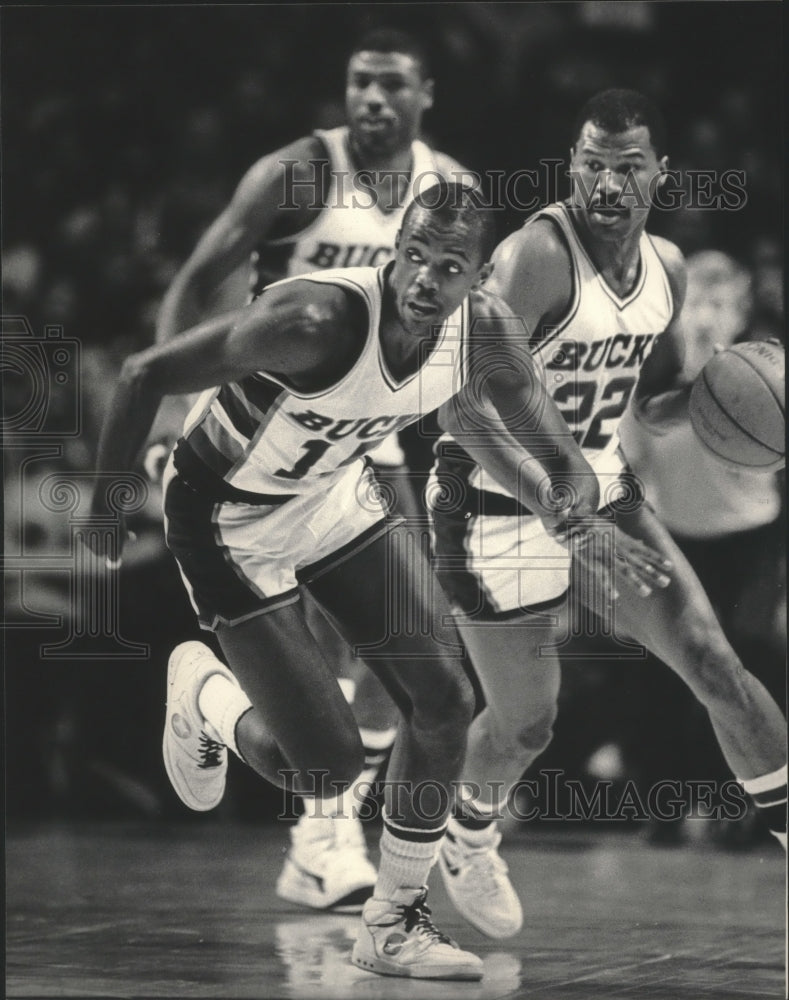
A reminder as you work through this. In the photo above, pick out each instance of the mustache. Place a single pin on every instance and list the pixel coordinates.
(608, 201)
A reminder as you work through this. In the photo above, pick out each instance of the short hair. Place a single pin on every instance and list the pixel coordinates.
(618, 110)
(450, 202)
(394, 40)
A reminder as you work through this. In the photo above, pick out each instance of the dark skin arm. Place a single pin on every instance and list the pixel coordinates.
(532, 282)
(277, 196)
(307, 332)
(661, 396)
(506, 421)
(533, 275)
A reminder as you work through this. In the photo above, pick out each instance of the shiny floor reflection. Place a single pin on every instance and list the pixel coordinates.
(159, 910)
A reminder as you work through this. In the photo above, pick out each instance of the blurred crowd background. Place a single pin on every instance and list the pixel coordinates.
(125, 132)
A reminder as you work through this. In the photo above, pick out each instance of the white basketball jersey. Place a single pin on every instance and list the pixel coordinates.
(351, 230)
(262, 436)
(591, 361)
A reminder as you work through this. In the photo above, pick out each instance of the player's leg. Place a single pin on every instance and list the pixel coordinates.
(333, 839)
(508, 584)
(390, 609)
(375, 713)
(290, 722)
(679, 626)
(300, 720)
(236, 560)
(376, 716)
(519, 673)
(277, 677)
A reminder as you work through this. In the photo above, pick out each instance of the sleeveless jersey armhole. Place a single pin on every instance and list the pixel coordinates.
(575, 278)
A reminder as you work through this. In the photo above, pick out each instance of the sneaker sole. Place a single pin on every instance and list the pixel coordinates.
(384, 968)
(295, 888)
(352, 902)
(170, 763)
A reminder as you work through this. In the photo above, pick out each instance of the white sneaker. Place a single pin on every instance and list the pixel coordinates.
(398, 938)
(196, 764)
(477, 882)
(327, 867)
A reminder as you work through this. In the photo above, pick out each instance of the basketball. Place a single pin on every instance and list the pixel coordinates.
(737, 405)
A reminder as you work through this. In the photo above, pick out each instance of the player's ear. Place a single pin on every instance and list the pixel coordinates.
(662, 168)
(397, 239)
(484, 273)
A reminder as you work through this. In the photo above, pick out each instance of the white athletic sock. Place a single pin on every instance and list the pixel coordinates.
(376, 743)
(472, 815)
(321, 808)
(407, 855)
(769, 795)
(222, 704)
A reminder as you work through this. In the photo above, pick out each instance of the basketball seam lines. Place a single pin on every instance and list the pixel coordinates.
(753, 367)
(736, 423)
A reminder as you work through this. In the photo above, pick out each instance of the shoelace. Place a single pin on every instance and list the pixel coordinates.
(210, 752)
(417, 914)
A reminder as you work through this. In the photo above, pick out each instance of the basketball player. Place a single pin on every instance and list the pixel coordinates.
(721, 516)
(601, 299)
(269, 487)
(331, 199)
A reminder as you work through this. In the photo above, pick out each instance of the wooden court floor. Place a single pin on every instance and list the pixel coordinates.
(188, 910)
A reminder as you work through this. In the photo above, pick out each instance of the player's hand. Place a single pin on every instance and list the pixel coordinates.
(155, 459)
(579, 498)
(110, 551)
(608, 561)
(638, 566)
(593, 567)
(163, 436)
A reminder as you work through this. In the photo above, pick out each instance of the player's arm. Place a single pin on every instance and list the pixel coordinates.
(302, 331)
(505, 419)
(277, 183)
(661, 395)
(533, 276)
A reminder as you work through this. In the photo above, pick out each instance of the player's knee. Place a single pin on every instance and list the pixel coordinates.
(513, 737)
(535, 733)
